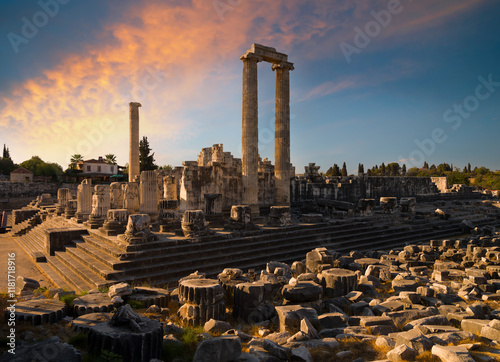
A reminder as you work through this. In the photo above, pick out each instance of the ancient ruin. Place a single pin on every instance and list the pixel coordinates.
(309, 262)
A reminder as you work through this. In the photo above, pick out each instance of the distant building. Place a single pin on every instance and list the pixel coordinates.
(21, 175)
(98, 170)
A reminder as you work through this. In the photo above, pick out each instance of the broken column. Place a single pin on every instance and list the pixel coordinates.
(84, 201)
(280, 216)
(100, 207)
(365, 206)
(116, 195)
(133, 163)
(388, 204)
(194, 225)
(250, 134)
(149, 195)
(127, 334)
(63, 195)
(203, 300)
(241, 218)
(131, 197)
(408, 204)
(138, 230)
(70, 209)
(338, 282)
(116, 222)
(282, 133)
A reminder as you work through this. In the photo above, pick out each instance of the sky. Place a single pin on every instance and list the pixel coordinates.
(374, 81)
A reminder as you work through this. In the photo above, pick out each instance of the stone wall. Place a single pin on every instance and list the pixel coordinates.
(352, 189)
(14, 195)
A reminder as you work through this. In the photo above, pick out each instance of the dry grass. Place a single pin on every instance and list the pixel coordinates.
(427, 356)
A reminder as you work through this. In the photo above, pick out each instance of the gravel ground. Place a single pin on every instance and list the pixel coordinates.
(24, 266)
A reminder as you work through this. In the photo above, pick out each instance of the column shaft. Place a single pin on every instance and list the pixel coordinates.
(282, 133)
(250, 137)
(133, 162)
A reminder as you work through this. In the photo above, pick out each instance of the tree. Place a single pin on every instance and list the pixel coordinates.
(393, 168)
(166, 167)
(40, 168)
(110, 159)
(369, 172)
(361, 169)
(344, 170)
(75, 159)
(6, 166)
(336, 170)
(146, 158)
(6, 152)
(469, 168)
(382, 169)
(426, 165)
(403, 169)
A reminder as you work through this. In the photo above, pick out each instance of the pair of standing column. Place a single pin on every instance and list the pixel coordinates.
(250, 138)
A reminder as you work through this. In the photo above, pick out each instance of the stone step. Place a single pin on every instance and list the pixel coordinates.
(72, 279)
(90, 247)
(53, 276)
(104, 248)
(83, 271)
(93, 264)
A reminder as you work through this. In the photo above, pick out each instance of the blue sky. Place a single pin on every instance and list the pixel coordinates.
(66, 89)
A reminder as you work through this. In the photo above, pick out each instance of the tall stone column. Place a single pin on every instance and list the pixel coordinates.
(149, 193)
(250, 136)
(282, 133)
(133, 160)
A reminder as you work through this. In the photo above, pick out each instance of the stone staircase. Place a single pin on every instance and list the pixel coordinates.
(96, 261)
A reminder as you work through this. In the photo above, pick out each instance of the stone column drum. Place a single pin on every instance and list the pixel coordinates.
(149, 195)
(70, 209)
(250, 134)
(84, 201)
(63, 195)
(169, 188)
(282, 133)
(100, 206)
(131, 197)
(116, 195)
(133, 163)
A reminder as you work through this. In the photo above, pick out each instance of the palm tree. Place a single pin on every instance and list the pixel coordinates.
(110, 159)
(75, 159)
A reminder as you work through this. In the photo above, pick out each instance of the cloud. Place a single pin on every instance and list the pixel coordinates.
(176, 58)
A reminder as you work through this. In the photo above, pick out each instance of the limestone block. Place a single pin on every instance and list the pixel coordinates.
(280, 216)
(388, 204)
(452, 353)
(291, 315)
(302, 292)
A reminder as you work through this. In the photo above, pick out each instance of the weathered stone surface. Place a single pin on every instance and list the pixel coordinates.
(223, 349)
(338, 282)
(474, 325)
(127, 334)
(332, 320)
(432, 320)
(120, 289)
(401, 353)
(307, 328)
(414, 339)
(318, 259)
(38, 311)
(51, 349)
(216, 326)
(452, 353)
(82, 324)
(200, 291)
(302, 292)
(92, 303)
(290, 316)
(24, 284)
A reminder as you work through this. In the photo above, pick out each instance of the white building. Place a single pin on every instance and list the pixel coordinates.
(97, 167)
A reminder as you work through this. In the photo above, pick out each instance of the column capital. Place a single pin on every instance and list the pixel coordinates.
(283, 65)
(251, 56)
(134, 104)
